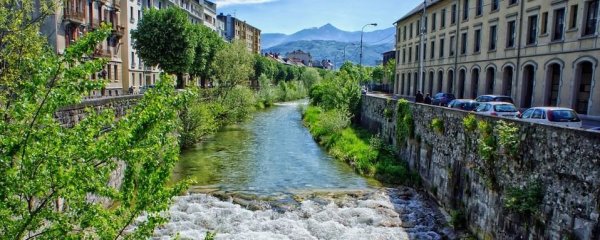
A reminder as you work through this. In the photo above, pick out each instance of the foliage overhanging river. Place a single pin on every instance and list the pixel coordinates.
(268, 179)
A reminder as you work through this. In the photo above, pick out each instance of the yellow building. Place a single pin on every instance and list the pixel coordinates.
(540, 52)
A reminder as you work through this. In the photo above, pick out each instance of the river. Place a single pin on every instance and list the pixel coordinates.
(268, 179)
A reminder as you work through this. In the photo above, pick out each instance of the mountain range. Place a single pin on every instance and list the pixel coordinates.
(329, 32)
(329, 42)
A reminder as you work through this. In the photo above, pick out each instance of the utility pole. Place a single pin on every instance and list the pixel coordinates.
(361, 48)
(422, 51)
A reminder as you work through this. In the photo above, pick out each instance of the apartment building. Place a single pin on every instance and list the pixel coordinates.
(236, 29)
(210, 15)
(540, 52)
(137, 73)
(74, 18)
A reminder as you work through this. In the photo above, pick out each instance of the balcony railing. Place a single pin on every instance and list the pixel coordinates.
(73, 15)
(99, 52)
(118, 30)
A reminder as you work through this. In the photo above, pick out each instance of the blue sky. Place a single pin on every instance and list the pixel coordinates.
(289, 16)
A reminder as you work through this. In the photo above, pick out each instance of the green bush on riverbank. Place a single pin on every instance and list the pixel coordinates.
(364, 151)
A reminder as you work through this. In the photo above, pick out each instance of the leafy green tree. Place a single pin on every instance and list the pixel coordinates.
(263, 65)
(351, 69)
(377, 74)
(53, 179)
(208, 43)
(234, 66)
(309, 77)
(292, 73)
(281, 73)
(165, 38)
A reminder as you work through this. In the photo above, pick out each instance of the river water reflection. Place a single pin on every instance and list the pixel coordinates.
(271, 153)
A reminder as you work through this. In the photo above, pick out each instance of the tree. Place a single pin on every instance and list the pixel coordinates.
(165, 38)
(263, 65)
(48, 172)
(207, 45)
(281, 73)
(234, 66)
(309, 77)
(377, 74)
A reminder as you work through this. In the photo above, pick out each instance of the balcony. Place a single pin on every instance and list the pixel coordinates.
(104, 53)
(74, 16)
(118, 30)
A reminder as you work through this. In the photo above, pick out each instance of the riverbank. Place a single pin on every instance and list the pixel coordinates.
(365, 152)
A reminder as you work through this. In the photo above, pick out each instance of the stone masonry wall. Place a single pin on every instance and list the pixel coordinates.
(69, 116)
(565, 161)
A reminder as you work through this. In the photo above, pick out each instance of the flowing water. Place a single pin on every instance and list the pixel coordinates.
(268, 179)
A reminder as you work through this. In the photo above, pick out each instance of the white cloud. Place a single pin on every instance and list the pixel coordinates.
(225, 3)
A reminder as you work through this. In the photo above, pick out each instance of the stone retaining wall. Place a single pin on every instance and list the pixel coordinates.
(565, 161)
(69, 116)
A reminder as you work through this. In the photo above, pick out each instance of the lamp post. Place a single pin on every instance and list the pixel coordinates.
(361, 40)
(362, 30)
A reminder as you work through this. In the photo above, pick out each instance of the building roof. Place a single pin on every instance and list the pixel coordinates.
(418, 9)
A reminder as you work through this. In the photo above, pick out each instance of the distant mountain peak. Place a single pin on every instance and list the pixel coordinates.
(328, 26)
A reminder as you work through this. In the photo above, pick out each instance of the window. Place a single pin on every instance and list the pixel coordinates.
(493, 37)
(403, 56)
(417, 53)
(433, 21)
(131, 11)
(532, 29)
(559, 24)
(132, 60)
(591, 18)
(410, 54)
(479, 9)
(510, 34)
(432, 53)
(139, 15)
(443, 20)
(116, 73)
(451, 47)
(109, 71)
(441, 48)
(465, 10)
(544, 22)
(404, 33)
(573, 17)
(453, 16)
(463, 43)
(512, 2)
(477, 39)
(418, 28)
(411, 31)
(495, 4)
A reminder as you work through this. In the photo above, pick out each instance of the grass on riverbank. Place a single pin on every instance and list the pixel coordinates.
(365, 152)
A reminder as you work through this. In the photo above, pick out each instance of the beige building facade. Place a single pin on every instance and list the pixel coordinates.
(74, 18)
(539, 52)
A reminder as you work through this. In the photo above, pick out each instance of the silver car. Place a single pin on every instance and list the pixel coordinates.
(564, 117)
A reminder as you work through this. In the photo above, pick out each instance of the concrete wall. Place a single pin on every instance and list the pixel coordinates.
(565, 161)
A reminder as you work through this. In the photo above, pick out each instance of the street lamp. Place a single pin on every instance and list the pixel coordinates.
(361, 48)
(351, 44)
(361, 40)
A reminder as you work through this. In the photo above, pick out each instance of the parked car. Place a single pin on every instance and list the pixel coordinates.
(499, 109)
(442, 99)
(595, 129)
(464, 104)
(494, 98)
(565, 117)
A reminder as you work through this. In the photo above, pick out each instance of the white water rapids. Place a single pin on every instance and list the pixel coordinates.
(378, 214)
